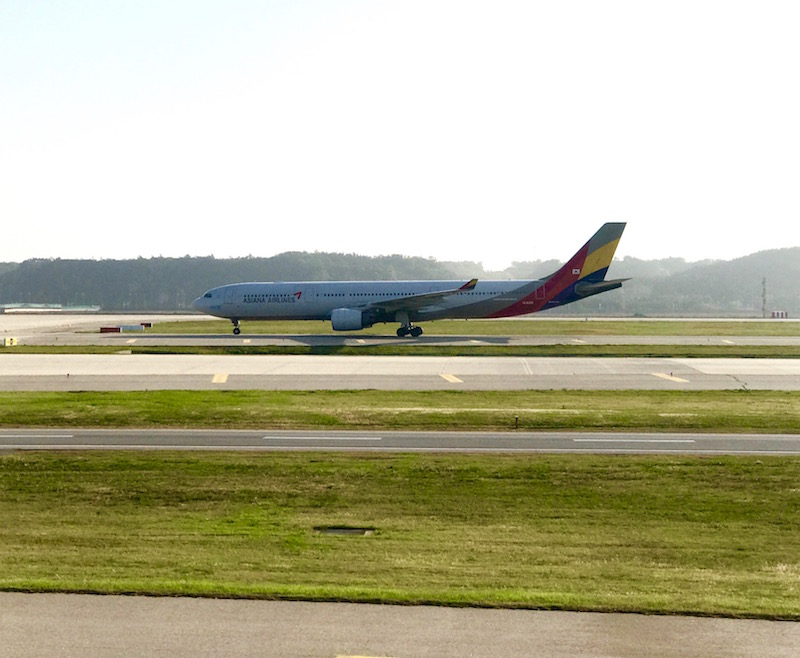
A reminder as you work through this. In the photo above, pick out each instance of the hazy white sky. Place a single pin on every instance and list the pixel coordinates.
(491, 131)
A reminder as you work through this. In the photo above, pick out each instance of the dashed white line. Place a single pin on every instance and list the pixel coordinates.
(633, 441)
(37, 436)
(321, 438)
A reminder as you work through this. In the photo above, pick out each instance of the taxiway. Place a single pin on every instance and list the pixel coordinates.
(352, 441)
(71, 625)
(128, 372)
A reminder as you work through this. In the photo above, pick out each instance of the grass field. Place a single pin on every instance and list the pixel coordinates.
(661, 411)
(671, 534)
(402, 348)
(525, 327)
(711, 536)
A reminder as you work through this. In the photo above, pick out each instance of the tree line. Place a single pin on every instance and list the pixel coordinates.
(657, 287)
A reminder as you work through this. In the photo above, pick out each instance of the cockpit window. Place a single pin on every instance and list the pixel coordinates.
(207, 295)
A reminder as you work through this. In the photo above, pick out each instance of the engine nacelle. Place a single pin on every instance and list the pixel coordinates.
(347, 319)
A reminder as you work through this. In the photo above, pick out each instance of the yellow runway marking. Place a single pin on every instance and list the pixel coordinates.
(578, 341)
(219, 379)
(728, 342)
(452, 379)
(669, 377)
(131, 341)
(246, 341)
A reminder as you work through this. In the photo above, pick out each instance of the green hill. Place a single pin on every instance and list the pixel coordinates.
(659, 287)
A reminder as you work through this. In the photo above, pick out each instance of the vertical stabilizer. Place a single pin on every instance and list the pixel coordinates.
(583, 275)
(600, 251)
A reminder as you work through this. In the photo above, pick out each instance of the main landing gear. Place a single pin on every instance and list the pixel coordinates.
(409, 329)
(236, 330)
(406, 326)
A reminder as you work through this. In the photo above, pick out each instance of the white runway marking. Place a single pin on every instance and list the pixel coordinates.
(37, 436)
(321, 438)
(633, 440)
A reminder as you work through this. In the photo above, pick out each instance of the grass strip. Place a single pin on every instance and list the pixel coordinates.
(525, 327)
(618, 351)
(427, 349)
(661, 411)
(690, 535)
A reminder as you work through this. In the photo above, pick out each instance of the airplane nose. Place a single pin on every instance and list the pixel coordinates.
(198, 304)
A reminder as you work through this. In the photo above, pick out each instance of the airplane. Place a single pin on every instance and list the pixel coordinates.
(354, 305)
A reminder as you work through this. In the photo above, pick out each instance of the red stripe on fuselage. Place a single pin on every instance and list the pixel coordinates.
(553, 287)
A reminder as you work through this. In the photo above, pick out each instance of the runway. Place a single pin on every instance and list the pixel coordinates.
(446, 442)
(57, 329)
(128, 372)
(150, 339)
(125, 371)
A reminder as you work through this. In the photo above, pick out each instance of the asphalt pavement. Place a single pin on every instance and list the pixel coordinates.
(74, 625)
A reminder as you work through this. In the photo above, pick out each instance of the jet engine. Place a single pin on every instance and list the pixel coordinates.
(347, 319)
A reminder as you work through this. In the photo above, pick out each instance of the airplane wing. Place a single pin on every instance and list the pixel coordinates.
(416, 302)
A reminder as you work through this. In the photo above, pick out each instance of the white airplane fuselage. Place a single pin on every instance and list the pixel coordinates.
(316, 300)
(353, 305)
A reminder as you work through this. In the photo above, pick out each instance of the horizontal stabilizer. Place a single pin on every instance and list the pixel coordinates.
(587, 289)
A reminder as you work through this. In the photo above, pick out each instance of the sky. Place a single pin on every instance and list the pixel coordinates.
(486, 131)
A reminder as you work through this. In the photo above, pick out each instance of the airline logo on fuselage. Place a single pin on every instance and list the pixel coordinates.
(263, 298)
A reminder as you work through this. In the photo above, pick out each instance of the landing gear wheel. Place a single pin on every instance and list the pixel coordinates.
(236, 330)
(407, 330)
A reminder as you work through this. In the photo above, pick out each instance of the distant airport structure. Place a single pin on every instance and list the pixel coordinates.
(354, 305)
(46, 308)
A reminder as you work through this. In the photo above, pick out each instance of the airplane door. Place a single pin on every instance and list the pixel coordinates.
(308, 295)
(229, 296)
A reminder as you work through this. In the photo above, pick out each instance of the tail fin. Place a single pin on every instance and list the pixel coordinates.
(600, 252)
(582, 276)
